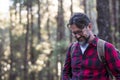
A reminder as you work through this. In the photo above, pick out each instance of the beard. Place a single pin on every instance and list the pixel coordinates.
(83, 40)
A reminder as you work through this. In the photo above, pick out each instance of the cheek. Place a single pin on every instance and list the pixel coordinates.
(86, 34)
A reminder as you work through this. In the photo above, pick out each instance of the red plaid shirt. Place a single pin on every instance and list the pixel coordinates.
(87, 66)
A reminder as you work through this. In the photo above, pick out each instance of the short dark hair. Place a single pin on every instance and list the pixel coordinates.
(80, 20)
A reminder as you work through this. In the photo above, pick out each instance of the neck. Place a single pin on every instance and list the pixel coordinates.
(91, 38)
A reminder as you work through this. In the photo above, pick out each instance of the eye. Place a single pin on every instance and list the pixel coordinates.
(77, 32)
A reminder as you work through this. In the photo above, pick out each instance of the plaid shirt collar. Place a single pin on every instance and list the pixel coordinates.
(94, 41)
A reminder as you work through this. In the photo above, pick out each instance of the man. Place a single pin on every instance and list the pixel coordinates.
(83, 62)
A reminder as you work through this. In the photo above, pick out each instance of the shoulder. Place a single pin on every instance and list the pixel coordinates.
(75, 43)
(109, 45)
(110, 48)
(72, 44)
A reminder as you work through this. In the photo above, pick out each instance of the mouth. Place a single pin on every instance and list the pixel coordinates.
(81, 39)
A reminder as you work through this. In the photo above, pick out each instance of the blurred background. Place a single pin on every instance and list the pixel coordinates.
(34, 37)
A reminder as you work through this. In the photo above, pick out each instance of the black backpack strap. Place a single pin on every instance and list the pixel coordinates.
(73, 48)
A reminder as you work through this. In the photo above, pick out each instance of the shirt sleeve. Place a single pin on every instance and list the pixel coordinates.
(66, 74)
(113, 60)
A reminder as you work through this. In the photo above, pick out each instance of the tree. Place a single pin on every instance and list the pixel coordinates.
(12, 74)
(71, 10)
(60, 32)
(1, 55)
(20, 7)
(48, 21)
(103, 20)
(39, 20)
(27, 4)
(32, 55)
(60, 22)
(89, 9)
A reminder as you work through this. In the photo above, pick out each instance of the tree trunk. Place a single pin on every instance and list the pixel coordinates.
(103, 20)
(118, 25)
(40, 75)
(89, 9)
(32, 56)
(20, 7)
(60, 22)
(12, 74)
(113, 20)
(1, 55)
(71, 10)
(26, 46)
(84, 3)
(48, 22)
(39, 20)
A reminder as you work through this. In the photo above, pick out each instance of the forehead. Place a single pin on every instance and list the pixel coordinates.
(73, 27)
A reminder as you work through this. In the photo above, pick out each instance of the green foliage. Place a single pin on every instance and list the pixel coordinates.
(17, 46)
(60, 47)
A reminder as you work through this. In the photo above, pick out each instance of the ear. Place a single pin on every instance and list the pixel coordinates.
(90, 26)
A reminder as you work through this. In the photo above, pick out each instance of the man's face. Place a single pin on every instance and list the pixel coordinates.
(82, 35)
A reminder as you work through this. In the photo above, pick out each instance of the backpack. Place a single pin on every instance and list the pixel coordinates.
(101, 56)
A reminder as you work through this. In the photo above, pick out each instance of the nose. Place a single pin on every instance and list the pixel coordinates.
(77, 35)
